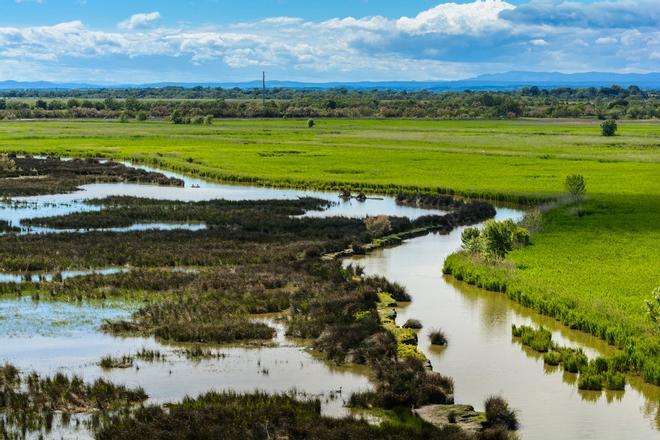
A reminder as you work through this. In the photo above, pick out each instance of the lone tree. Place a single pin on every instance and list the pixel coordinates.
(575, 185)
(310, 123)
(608, 128)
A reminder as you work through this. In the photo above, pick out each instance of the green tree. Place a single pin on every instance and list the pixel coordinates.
(310, 123)
(576, 185)
(608, 128)
(497, 239)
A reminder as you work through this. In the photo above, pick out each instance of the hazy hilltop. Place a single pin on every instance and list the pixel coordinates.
(495, 81)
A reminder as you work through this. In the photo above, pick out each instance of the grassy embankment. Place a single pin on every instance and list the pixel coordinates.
(595, 265)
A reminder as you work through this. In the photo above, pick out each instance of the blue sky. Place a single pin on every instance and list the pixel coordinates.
(124, 41)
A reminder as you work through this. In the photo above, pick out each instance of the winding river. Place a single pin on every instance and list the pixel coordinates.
(481, 356)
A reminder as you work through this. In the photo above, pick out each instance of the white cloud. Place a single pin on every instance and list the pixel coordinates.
(139, 21)
(538, 42)
(606, 40)
(458, 18)
(448, 41)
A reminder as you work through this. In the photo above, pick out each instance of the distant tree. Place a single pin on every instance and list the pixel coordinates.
(310, 123)
(208, 120)
(41, 104)
(3, 104)
(608, 128)
(177, 117)
(141, 116)
(575, 185)
(123, 117)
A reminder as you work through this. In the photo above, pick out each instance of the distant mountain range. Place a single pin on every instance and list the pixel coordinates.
(496, 81)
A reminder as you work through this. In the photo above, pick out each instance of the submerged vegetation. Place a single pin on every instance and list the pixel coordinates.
(229, 415)
(28, 176)
(255, 258)
(28, 402)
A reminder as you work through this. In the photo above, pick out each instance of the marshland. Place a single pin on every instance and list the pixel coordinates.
(292, 303)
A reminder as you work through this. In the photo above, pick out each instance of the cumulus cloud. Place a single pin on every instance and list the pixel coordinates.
(602, 14)
(139, 21)
(447, 41)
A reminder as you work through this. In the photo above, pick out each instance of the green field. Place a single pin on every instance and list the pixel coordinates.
(601, 265)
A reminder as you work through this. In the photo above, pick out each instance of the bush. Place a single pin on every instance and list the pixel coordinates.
(615, 381)
(123, 118)
(498, 239)
(552, 358)
(608, 128)
(498, 413)
(437, 337)
(310, 123)
(378, 226)
(575, 185)
(141, 116)
(590, 381)
(471, 239)
(208, 120)
(413, 323)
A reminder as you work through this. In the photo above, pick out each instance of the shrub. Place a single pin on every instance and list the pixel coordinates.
(615, 381)
(498, 413)
(532, 220)
(141, 116)
(471, 239)
(378, 226)
(310, 123)
(123, 118)
(208, 120)
(521, 237)
(6, 163)
(552, 358)
(608, 127)
(437, 337)
(498, 239)
(590, 381)
(413, 323)
(575, 185)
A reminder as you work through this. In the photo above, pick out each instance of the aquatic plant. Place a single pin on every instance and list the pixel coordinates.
(437, 337)
(498, 413)
(109, 362)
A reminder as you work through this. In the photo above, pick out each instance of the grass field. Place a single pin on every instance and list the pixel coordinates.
(601, 265)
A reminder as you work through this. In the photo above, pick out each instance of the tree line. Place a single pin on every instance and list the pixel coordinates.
(187, 104)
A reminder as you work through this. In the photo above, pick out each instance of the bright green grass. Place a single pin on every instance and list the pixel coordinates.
(491, 157)
(604, 264)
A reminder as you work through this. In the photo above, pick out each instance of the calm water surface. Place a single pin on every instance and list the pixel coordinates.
(481, 356)
(483, 359)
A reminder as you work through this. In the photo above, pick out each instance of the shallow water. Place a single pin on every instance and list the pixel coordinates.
(49, 337)
(483, 359)
(20, 208)
(481, 356)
